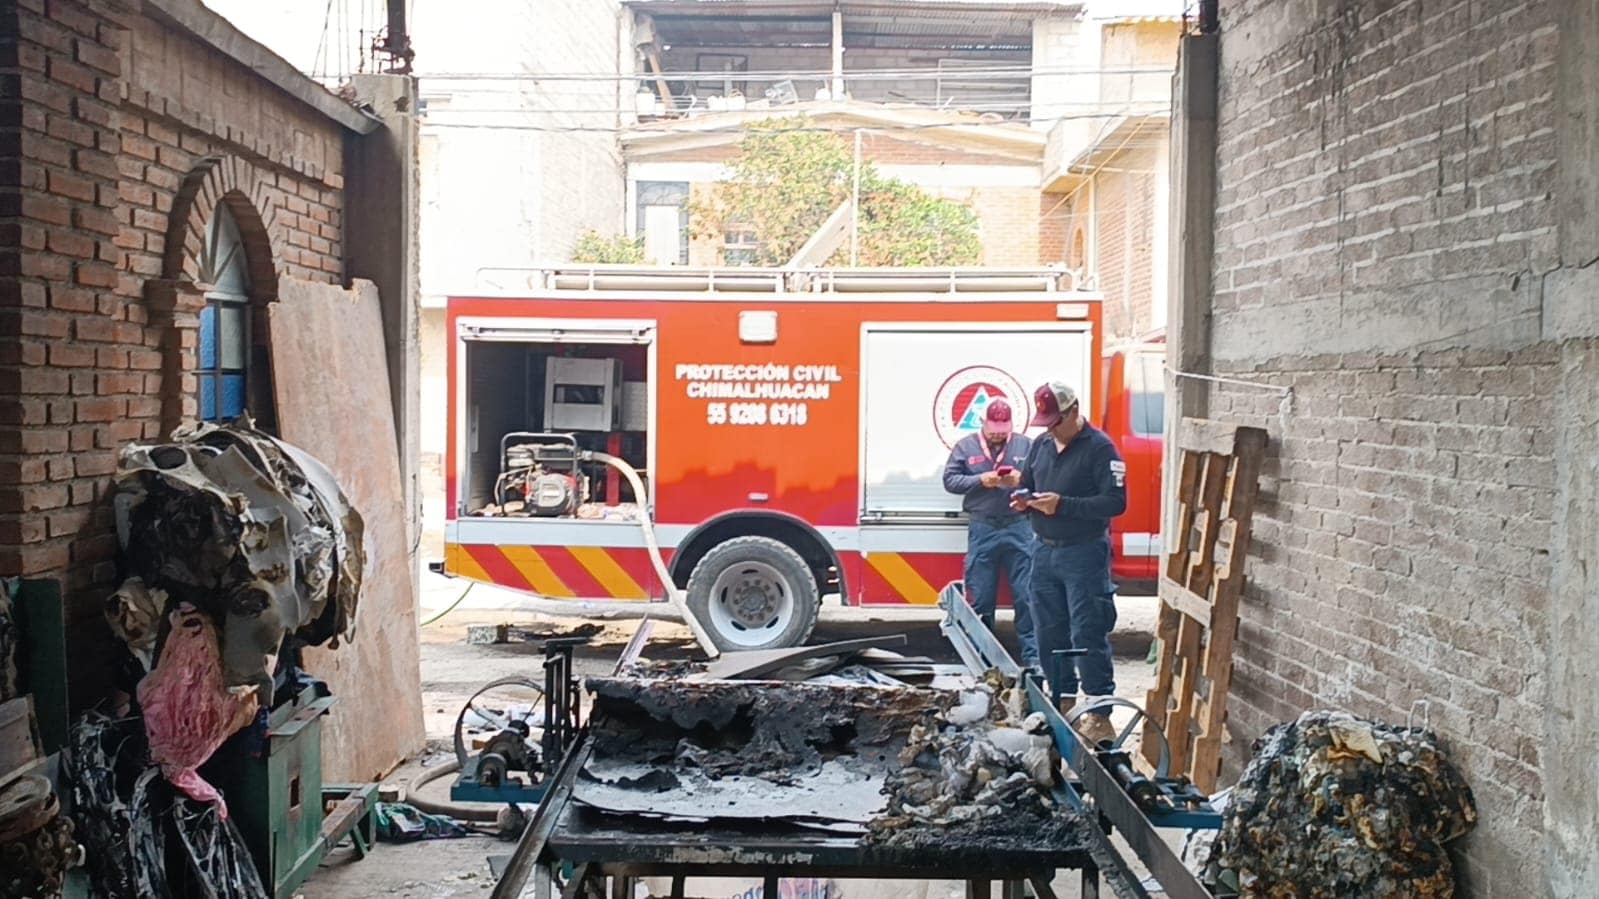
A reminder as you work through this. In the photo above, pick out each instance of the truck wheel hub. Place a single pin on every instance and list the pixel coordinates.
(749, 597)
(754, 600)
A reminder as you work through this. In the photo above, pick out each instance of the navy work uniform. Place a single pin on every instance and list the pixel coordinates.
(996, 536)
(1074, 598)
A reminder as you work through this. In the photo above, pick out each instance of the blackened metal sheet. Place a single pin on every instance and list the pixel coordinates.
(837, 795)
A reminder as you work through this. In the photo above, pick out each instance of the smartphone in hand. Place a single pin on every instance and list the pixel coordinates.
(1005, 471)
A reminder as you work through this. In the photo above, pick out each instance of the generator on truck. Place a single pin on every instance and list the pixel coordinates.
(747, 440)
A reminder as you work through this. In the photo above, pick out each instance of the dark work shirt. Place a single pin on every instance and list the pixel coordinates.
(971, 458)
(1091, 479)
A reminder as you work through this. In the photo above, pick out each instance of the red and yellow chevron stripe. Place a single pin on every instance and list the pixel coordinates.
(559, 572)
(913, 578)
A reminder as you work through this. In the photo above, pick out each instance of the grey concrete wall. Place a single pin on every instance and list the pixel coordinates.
(1405, 235)
(1571, 317)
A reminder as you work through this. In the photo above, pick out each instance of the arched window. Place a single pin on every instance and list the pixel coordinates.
(1077, 255)
(225, 322)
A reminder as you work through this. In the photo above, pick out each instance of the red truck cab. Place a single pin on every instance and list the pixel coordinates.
(1133, 415)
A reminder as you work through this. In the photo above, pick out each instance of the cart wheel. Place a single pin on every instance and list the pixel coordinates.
(754, 593)
(492, 709)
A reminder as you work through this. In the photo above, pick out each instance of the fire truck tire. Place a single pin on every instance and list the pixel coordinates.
(754, 593)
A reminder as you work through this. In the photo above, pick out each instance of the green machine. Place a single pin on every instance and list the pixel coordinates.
(288, 817)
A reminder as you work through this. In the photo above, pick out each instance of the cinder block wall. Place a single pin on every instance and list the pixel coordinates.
(105, 115)
(1384, 222)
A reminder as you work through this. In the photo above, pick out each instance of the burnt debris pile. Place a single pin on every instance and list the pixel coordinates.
(978, 779)
(1336, 807)
(801, 755)
(905, 769)
(252, 532)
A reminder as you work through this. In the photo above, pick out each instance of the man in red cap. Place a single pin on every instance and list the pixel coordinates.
(984, 469)
(1073, 483)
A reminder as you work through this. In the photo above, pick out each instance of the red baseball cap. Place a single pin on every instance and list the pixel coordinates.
(1050, 403)
(997, 419)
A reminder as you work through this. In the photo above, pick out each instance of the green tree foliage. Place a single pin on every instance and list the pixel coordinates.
(595, 248)
(789, 177)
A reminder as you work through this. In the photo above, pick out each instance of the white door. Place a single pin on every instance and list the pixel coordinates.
(927, 386)
(662, 235)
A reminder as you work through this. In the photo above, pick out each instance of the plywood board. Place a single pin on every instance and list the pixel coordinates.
(330, 376)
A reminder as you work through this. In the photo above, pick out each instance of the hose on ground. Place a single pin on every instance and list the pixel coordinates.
(488, 815)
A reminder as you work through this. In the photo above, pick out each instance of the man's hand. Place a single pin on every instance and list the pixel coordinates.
(989, 479)
(1046, 503)
(1011, 481)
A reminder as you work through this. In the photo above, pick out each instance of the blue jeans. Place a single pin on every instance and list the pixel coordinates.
(1074, 605)
(989, 548)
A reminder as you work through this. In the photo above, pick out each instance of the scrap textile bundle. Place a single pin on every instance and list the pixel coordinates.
(1334, 806)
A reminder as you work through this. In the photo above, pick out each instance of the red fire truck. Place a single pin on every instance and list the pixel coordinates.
(1134, 415)
(781, 435)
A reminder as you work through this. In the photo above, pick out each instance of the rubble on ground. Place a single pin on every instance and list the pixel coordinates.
(1336, 807)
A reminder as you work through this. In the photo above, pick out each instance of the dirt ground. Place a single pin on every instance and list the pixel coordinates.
(452, 670)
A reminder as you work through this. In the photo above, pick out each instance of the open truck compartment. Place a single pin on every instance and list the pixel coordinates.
(538, 404)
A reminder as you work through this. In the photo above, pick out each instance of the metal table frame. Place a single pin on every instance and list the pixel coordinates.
(607, 867)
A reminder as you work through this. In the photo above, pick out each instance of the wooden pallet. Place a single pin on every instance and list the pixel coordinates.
(1200, 584)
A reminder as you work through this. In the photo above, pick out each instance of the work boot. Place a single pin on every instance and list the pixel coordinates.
(1095, 728)
(1066, 704)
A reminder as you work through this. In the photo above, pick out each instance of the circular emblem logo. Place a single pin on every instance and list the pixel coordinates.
(962, 401)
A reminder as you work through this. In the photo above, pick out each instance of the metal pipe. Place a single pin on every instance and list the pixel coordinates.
(397, 43)
(855, 208)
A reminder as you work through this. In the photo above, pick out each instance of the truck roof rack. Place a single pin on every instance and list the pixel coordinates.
(595, 278)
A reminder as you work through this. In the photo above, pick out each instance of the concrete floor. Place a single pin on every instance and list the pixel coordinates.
(452, 670)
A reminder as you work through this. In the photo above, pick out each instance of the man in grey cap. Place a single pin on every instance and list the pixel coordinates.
(983, 468)
(1073, 483)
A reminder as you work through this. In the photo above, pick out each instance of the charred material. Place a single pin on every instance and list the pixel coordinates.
(144, 839)
(985, 786)
(758, 753)
(777, 732)
(250, 530)
(1335, 806)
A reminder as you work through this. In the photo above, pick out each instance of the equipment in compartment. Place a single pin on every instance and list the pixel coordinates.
(539, 475)
(582, 394)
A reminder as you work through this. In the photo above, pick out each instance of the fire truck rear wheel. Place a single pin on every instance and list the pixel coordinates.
(754, 593)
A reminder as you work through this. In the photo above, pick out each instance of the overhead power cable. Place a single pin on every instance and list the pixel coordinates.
(997, 73)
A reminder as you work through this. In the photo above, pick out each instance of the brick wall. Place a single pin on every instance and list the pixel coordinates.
(1383, 218)
(1124, 234)
(1401, 552)
(119, 140)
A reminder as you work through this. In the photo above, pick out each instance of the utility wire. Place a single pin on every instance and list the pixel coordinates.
(742, 128)
(998, 74)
